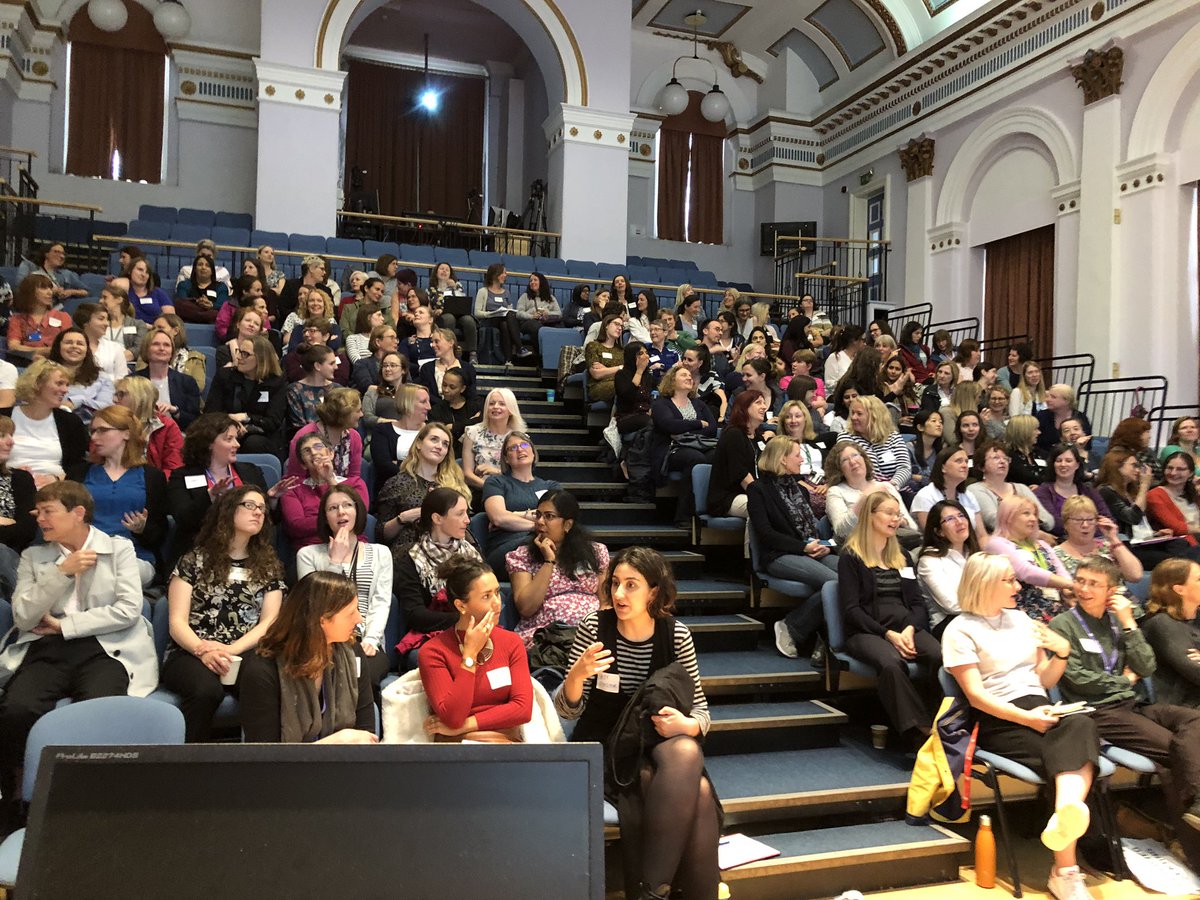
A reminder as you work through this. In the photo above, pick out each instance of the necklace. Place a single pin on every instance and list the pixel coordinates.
(484, 655)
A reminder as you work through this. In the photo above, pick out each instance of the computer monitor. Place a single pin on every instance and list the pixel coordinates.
(453, 822)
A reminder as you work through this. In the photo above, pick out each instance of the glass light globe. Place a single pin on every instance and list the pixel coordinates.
(673, 99)
(715, 105)
(172, 20)
(108, 15)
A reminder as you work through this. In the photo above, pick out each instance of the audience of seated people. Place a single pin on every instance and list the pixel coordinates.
(1073, 527)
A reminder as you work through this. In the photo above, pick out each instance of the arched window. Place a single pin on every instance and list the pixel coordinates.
(691, 177)
(116, 98)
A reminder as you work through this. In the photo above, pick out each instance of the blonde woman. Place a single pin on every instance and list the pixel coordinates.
(164, 440)
(761, 314)
(1028, 465)
(795, 421)
(1004, 663)
(483, 443)
(430, 464)
(884, 614)
(871, 427)
(254, 394)
(391, 441)
(1029, 396)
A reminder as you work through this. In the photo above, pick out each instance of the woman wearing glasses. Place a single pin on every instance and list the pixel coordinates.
(510, 498)
(1089, 533)
(556, 575)
(342, 548)
(254, 395)
(130, 496)
(300, 507)
(223, 596)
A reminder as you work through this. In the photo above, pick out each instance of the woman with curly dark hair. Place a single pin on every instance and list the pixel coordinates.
(223, 596)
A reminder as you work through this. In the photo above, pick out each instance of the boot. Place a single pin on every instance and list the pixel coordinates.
(663, 892)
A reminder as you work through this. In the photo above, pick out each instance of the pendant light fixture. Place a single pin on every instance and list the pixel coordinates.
(673, 98)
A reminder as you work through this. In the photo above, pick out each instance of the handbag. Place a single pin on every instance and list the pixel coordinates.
(692, 441)
(1138, 410)
(552, 646)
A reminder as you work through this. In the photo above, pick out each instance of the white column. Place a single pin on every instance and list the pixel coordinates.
(589, 182)
(955, 285)
(1066, 275)
(916, 247)
(1098, 248)
(299, 166)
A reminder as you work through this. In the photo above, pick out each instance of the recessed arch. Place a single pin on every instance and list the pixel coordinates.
(1023, 126)
(1165, 96)
(573, 89)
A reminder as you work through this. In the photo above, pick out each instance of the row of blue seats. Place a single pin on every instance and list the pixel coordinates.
(73, 230)
(191, 216)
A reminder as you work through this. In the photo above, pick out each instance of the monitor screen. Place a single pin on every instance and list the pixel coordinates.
(260, 821)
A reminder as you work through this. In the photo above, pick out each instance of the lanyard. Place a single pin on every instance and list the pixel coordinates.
(1109, 666)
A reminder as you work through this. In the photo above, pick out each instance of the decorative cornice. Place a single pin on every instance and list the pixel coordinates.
(947, 237)
(1099, 75)
(1066, 197)
(1143, 174)
(217, 81)
(299, 85)
(584, 125)
(916, 158)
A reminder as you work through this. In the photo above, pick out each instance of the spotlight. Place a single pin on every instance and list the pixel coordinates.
(429, 100)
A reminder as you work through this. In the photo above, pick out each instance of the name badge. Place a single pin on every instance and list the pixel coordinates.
(1091, 645)
(210, 292)
(606, 354)
(499, 678)
(145, 301)
(264, 397)
(887, 456)
(358, 667)
(421, 362)
(907, 572)
(608, 682)
(538, 494)
(54, 323)
(194, 481)
(654, 359)
(129, 329)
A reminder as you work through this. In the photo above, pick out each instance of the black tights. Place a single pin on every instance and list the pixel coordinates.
(680, 829)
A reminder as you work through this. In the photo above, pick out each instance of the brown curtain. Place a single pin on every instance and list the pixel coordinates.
(116, 97)
(706, 214)
(1018, 291)
(691, 150)
(672, 184)
(386, 132)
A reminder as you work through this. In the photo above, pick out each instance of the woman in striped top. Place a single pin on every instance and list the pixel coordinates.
(615, 651)
(344, 549)
(872, 429)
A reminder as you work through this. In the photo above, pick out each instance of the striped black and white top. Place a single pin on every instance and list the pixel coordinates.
(633, 661)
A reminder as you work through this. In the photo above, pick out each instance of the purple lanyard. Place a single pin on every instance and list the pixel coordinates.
(1109, 667)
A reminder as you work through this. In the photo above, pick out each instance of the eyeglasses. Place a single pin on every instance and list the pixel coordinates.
(524, 445)
(347, 506)
(1089, 583)
(1083, 520)
(102, 429)
(954, 518)
(314, 449)
(244, 353)
(547, 517)
(1009, 579)
(251, 506)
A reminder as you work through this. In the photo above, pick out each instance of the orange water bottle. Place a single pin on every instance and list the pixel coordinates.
(985, 854)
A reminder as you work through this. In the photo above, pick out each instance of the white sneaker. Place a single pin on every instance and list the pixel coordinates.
(784, 642)
(1068, 884)
(1066, 826)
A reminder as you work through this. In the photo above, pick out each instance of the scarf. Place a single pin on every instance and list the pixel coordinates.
(795, 499)
(304, 714)
(428, 556)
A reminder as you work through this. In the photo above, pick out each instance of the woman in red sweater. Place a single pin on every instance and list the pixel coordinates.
(1175, 504)
(476, 674)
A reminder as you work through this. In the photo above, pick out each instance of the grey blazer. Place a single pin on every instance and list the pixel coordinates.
(111, 601)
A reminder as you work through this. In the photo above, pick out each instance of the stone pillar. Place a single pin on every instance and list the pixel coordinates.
(917, 160)
(1099, 76)
(588, 187)
(299, 159)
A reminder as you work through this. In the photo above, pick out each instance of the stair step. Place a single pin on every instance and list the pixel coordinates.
(752, 670)
(618, 536)
(687, 564)
(581, 452)
(596, 490)
(870, 857)
(712, 634)
(576, 470)
(745, 728)
(505, 376)
(805, 783)
(605, 512)
(548, 436)
(706, 591)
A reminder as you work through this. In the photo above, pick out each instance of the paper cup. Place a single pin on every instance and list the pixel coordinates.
(879, 736)
(230, 677)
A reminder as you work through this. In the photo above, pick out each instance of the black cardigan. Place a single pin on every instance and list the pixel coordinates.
(669, 421)
(406, 585)
(72, 435)
(736, 457)
(856, 593)
(189, 505)
(427, 377)
(185, 395)
(777, 532)
(19, 534)
(1049, 435)
(233, 392)
(155, 532)
(259, 698)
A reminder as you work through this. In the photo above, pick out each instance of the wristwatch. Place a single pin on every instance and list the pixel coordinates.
(468, 662)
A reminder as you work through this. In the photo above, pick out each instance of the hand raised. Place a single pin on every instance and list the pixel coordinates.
(77, 562)
(594, 660)
(477, 634)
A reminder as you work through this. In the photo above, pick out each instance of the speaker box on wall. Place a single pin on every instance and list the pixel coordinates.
(786, 229)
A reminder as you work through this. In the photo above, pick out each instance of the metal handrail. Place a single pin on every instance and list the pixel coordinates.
(470, 226)
(57, 204)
